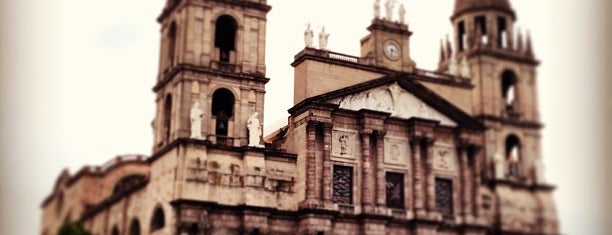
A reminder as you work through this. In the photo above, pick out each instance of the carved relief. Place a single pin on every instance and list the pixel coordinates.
(343, 144)
(394, 100)
(395, 152)
(445, 159)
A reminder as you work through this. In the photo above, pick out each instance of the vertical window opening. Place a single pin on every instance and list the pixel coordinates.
(343, 185)
(225, 37)
(158, 221)
(171, 44)
(513, 154)
(395, 190)
(115, 231)
(444, 197)
(509, 89)
(135, 227)
(462, 36)
(223, 110)
(481, 26)
(502, 32)
(167, 118)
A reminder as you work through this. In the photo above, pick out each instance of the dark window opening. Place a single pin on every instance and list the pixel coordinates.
(320, 233)
(167, 116)
(135, 227)
(127, 183)
(509, 89)
(502, 32)
(395, 190)
(444, 196)
(193, 229)
(255, 232)
(171, 43)
(343, 185)
(158, 221)
(481, 26)
(225, 36)
(462, 36)
(115, 231)
(513, 154)
(222, 109)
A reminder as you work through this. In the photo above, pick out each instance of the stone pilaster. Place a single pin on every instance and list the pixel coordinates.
(368, 183)
(476, 156)
(311, 170)
(380, 170)
(465, 181)
(417, 197)
(430, 178)
(327, 165)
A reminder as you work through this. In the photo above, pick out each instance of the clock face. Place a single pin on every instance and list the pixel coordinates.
(392, 50)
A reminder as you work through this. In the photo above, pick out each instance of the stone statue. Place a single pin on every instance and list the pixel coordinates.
(308, 35)
(377, 9)
(323, 39)
(389, 9)
(465, 68)
(196, 120)
(254, 127)
(402, 14)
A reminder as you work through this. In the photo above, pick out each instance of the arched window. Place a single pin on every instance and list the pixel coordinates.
(513, 154)
(502, 32)
(225, 36)
(508, 89)
(171, 44)
(115, 231)
(222, 109)
(127, 183)
(462, 37)
(158, 219)
(167, 117)
(135, 227)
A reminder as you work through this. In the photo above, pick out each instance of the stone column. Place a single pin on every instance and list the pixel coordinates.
(327, 165)
(380, 170)
(476, 156)
(465, 181)
(417, 174)
(367, 189)
(431, 193)
(311, 170)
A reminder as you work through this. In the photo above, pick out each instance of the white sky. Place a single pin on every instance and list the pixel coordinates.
(77, 78)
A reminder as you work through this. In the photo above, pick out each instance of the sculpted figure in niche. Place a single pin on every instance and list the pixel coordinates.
(308, 35)
(196, 120)
(254, 127)
(343, 140)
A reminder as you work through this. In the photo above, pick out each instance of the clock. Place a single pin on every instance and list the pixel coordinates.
(392, 50)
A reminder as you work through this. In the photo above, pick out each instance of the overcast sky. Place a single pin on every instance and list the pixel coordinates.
(77, 78)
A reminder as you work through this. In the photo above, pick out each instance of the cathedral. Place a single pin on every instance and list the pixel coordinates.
(372, 145)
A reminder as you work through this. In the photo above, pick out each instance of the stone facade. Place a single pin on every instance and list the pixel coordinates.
(373, 144)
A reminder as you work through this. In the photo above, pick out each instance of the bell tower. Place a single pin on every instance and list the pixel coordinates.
(211, 70)
(503, 72)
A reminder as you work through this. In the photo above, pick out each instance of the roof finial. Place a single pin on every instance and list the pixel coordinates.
(519, 41)
(442, 52)
(449, 48)
(529, 49)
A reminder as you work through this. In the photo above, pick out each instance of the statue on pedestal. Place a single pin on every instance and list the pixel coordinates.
(196, 120)
(389, 9)
(308, 35)
(402, 14)
(323, 39)
(254, 127)
(377, 9)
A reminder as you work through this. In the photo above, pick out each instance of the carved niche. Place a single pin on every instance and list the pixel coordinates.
(445, 159)
(343, 144)
(396, 151)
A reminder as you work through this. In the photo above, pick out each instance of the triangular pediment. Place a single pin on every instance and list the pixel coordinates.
(393, 99)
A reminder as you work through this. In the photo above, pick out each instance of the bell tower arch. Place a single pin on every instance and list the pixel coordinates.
(211, 56)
